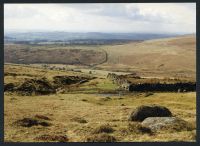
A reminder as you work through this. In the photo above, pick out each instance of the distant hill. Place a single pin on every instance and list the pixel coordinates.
(23, 54)
(167, 56)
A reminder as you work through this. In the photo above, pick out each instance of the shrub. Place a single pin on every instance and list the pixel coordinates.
(101, 138)
(103, 129)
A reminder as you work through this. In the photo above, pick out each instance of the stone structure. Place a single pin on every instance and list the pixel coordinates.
(176, 87)
(119, 80)
(122, 81)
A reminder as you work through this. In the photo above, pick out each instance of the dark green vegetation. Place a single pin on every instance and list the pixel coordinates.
(28, 55)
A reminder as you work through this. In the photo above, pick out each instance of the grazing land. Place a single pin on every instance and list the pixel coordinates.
(75, 93)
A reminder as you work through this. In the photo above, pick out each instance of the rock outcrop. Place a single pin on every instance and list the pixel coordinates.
(166, 123)
(143, 112)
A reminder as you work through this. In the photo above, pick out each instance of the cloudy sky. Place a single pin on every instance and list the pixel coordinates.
(127, 17)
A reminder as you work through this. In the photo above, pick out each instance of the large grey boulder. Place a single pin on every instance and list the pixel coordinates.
(166, 123)
(143, 112)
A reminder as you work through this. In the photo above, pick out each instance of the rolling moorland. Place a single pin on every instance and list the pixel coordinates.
(81, 93)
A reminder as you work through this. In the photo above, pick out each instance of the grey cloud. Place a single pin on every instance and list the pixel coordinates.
(16, 12)
(102, 17)
(121, 11)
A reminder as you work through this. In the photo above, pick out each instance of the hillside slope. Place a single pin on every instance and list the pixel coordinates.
(24, 54)
(176, 54)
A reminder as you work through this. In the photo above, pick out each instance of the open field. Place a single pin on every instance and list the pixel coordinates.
(64, 107)
(78, 113)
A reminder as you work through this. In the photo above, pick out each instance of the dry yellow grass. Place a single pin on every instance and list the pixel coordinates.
(96, 109)
(170, 56)
(62, 108)
(24, 71)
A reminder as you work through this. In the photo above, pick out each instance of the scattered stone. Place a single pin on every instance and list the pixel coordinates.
(143, 112)
(167, 123)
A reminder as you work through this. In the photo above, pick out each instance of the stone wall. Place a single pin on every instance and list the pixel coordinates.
(176, 87)
(142, 87)
(119, 80)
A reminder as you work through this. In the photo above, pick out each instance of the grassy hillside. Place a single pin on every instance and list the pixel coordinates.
(29, 55)
(171, 55)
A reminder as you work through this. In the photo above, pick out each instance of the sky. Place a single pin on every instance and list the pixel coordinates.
(122, 18)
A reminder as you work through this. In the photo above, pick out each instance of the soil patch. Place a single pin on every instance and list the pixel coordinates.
(29, 122)
(36, 87)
